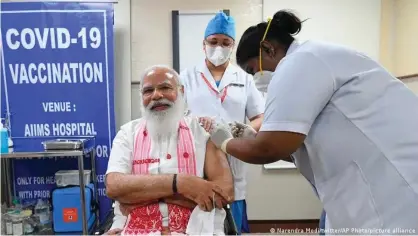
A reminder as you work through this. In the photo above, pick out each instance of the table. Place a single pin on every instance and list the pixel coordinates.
(32, 147)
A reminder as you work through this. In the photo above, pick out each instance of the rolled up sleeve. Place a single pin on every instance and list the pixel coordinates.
(120, 155)
(255, 102)
(301, 87)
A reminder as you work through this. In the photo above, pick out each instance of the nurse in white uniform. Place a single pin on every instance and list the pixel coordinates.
(262, 87)
(216, 88)
(350, 125)
(262, 84)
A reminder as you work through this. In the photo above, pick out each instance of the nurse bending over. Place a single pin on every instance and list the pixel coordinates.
(349, 124)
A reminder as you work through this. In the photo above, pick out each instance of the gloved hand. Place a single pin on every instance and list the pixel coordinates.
(240, 130)
(220, 133)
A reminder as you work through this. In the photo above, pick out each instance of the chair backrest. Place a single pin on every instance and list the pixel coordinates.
(106, 224)
(230, 226)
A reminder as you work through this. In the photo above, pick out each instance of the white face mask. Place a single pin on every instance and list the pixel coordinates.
(263, 81)
(218, 55)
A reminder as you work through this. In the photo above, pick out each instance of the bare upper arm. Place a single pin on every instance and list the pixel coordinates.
(216, 165)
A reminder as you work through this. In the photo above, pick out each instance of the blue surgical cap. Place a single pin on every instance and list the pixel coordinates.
(221, 24)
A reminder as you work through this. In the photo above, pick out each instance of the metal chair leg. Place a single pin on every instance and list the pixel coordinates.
(230, 226)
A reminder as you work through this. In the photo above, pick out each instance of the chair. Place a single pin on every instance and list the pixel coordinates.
(230, 226)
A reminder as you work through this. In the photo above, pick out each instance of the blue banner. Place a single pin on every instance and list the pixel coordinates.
(57, 80)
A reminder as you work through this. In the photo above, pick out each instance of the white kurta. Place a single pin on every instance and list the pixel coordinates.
(120, 159)
(361, 148)
(242, 101)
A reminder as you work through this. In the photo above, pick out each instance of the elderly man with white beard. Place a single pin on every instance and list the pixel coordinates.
(158, 163)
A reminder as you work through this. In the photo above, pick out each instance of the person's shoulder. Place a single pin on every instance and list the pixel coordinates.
(324, 50)
(132, 125)
(314, 46)
(306, 53)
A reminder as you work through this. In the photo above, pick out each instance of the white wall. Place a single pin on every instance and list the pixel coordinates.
(122, 35)
(406, 39)
(399, 36)
(355, 23)
(387, 35)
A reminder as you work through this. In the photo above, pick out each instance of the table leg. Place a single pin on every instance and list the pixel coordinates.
(93, 168)
(96, 185)
(82, 194)
(8, 178)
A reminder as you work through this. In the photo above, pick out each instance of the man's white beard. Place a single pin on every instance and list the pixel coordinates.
(161, 124)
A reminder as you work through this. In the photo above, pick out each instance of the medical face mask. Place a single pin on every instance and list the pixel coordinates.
(262, 80)
(218, 55)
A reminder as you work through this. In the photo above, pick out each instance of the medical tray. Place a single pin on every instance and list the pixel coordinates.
(64, 144)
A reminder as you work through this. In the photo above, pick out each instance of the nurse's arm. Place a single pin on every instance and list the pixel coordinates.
(256, 122)
(267, 147)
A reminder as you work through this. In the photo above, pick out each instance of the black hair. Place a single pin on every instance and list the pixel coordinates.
(283, 27)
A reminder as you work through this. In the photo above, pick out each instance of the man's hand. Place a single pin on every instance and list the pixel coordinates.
(220, 202)
(114, 232)
(181, 201)
(126, 209)
(200, 191)
(240, 130)
(206, 123)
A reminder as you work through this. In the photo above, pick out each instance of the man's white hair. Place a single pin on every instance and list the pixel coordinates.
(155, 67)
